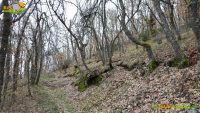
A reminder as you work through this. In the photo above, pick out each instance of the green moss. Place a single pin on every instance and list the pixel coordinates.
(173, 62)
(183, 63)
(152, 65)
(82, 83)
(85, 81)
(76, 71)
(97, 80)
(180, 63)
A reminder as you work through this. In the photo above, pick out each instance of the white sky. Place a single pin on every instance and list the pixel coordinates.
(71, 9)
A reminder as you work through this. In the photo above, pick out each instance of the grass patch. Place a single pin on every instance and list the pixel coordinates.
(45, 77)
(53, 101)
(82, 83)
(46, 101)
(61, 100)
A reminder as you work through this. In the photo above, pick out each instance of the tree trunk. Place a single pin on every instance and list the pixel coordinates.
(169, 34)
(7, 73)
(98, 46)
(108, 47)
(33, 71)
(131, 37)
(194, 18)
(40, 58)
(90, 51)
(16, 67)
(7, 22)
(74, 50)
(172, 20)
(27, 71)
(34, 61)
(17, 58)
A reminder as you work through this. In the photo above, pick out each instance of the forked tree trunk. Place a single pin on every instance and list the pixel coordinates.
(131, 37)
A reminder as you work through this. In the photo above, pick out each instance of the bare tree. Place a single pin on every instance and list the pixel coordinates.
(78, 38)
(128, 33)
(169, 33)
(7, 22)
(17, 55)
(172, 20)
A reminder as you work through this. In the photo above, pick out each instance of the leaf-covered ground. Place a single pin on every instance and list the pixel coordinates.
(128, 92)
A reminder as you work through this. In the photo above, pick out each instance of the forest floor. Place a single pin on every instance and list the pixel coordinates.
(121, 91)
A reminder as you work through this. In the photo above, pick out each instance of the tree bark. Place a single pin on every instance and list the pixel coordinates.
(7, 73)
(194, 19)
(27, 71)
(7, 22)
(131, 37)
(108, 46)
(17, 57)
(34, 65)
(40, 51)
(172, 20)
(169, 34)
(98, 46)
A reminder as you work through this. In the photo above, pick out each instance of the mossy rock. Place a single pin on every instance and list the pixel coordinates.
(152, 65)
(180, 63)
(87, 80)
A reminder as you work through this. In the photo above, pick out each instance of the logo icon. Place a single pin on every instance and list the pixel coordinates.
(15, 8)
